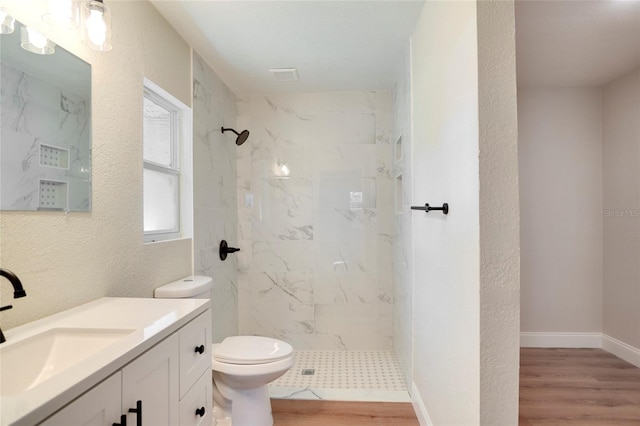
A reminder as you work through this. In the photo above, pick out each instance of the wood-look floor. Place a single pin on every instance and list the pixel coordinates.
(585, 387)
(559, 387)
(287, 412)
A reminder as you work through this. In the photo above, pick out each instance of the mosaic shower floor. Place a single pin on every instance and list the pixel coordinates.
(342, 376)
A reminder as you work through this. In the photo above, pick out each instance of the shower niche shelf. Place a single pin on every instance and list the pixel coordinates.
(397, 152)
(398, 194)
(53, 156)
(53, 195)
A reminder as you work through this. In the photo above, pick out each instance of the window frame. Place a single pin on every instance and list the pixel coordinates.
(178, 151)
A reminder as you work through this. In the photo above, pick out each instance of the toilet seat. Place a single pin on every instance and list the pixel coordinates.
(251, 350)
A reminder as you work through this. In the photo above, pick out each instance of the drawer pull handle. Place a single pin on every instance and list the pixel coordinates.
(123, 421)
(138, 411)
(200, 349)
(200, 411)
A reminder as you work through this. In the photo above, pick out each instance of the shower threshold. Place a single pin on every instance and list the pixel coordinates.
(343, 376)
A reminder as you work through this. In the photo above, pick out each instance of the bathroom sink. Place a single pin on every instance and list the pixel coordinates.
(29, 362)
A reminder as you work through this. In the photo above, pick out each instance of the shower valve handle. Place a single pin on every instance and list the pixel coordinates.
(225, 249)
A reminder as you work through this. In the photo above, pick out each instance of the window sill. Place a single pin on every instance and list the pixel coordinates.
(166, 240)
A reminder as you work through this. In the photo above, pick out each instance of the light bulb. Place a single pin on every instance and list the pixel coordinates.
(7, 22)
(96, 25)
(63, 13)
(34, 42)
(37, 39)
(96, 28)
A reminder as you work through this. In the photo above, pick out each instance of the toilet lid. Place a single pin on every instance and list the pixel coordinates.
(251, 350)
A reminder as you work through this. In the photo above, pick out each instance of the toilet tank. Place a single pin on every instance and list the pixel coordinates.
(191, 287)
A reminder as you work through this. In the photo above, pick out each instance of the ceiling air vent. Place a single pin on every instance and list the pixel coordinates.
(284, 74)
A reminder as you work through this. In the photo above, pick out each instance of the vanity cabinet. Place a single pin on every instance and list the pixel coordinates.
(171, 383)
(195, 351)
(153, 380)
(196, 381)
(101, 406)
(196, 407)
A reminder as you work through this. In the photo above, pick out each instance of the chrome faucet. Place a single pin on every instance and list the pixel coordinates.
(18, 292)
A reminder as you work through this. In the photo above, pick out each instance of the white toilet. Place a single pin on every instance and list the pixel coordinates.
(242, 365)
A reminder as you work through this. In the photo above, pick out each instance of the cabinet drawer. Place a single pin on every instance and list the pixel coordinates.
(199, 396)
(193, 337)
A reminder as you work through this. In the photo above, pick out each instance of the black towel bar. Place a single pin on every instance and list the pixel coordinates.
(427, 208)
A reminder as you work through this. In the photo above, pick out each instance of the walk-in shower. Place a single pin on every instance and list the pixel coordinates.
(313, 195)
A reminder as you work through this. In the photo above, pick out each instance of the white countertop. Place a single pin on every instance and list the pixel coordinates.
(152, 320)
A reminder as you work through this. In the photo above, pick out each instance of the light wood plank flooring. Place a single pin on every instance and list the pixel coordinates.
(577, 387)
(287, 412)
(559, 387)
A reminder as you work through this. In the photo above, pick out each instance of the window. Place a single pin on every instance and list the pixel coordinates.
(164, 172)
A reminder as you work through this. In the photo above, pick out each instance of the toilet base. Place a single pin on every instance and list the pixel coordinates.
(241, 407)
(224, 421)
(252, 408)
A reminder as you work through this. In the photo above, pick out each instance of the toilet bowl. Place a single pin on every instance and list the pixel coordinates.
(242, 365)
(242, 368)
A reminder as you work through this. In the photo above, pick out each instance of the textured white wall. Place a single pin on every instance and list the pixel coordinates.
(560, 137)
(214, 193)
(65, 260)
(446, 252)
(621, 118)
(499, 215)
(466, 264)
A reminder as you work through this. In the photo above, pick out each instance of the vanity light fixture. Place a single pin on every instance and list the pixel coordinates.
(62, 13)
(34, 42)
(7, 22)
(96, 25)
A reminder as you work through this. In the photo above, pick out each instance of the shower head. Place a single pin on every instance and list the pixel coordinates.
(242, 136)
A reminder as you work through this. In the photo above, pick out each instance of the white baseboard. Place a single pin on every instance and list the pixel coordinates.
(621, 350)
(560, 340)
(581, 340)
(418, 406)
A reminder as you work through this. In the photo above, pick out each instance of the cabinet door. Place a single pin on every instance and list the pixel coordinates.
(195, 351)
(153, 379)
(100, 406)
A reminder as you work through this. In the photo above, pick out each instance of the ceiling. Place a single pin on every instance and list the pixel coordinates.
(575, 43)
(357, 45)
(335, 45)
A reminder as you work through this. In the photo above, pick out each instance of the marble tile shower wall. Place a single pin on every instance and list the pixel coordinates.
(315, 205)
(402, 241)
(36, 117)
(214, 193)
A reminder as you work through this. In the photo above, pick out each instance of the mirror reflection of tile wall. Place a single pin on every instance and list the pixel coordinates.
(45, 134)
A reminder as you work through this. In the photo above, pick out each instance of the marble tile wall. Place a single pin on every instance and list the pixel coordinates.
(40, 120)
(214, 193)
(315, 206)
(402, 241)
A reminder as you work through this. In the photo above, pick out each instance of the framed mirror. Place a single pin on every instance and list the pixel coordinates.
(45, 125)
